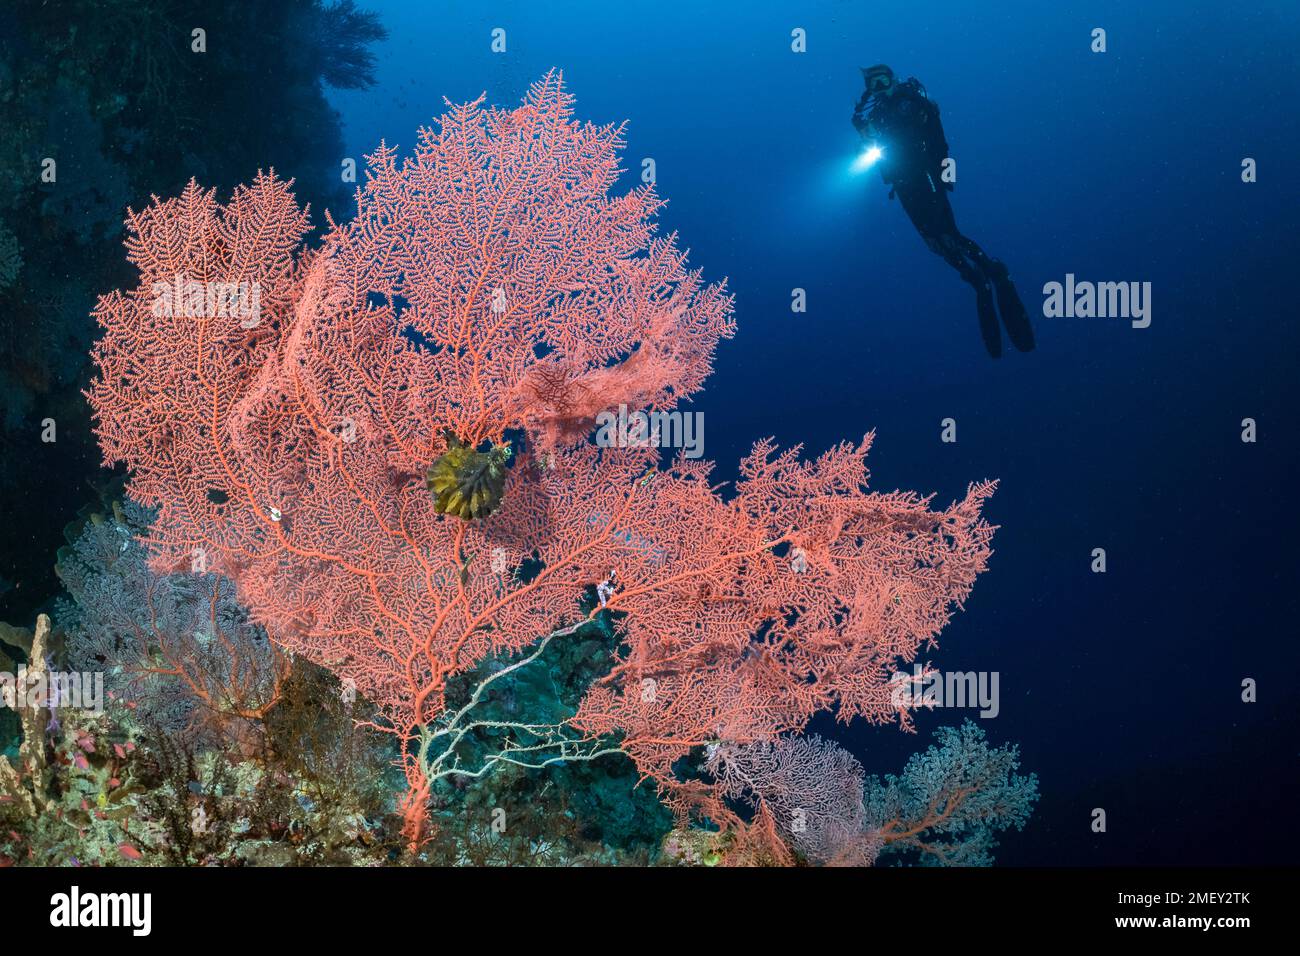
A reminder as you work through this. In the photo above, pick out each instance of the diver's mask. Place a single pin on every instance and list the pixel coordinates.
(879, 79)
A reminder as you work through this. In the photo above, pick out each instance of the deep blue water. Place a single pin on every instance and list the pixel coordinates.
(1123, 689)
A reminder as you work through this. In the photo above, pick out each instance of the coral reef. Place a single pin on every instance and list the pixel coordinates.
(490, 284)
(372, 596)
(811, 796)
(112, 786)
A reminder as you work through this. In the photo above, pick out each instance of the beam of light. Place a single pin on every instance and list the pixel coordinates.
(867, 158)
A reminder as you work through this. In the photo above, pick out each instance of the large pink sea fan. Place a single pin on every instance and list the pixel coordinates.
(487, 283)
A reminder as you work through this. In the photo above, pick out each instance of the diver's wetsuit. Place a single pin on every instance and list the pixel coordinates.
(906, 126)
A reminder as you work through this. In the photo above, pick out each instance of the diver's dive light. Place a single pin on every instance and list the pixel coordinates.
(867, 158)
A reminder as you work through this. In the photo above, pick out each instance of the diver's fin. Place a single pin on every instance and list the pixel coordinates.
(1014, 316)
(988, 321)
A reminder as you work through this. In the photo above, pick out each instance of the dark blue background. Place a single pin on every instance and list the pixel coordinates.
(1122, 689)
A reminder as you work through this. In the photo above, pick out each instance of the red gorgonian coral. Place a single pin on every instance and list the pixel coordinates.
(489, 283)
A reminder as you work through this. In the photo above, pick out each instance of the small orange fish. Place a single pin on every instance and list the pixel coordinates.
(128, 851)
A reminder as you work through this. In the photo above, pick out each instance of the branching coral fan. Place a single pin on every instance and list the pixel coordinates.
(491, 292)
(946, 808)
(179, 647)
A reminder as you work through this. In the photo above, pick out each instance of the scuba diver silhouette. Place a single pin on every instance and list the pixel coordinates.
(901, 126)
